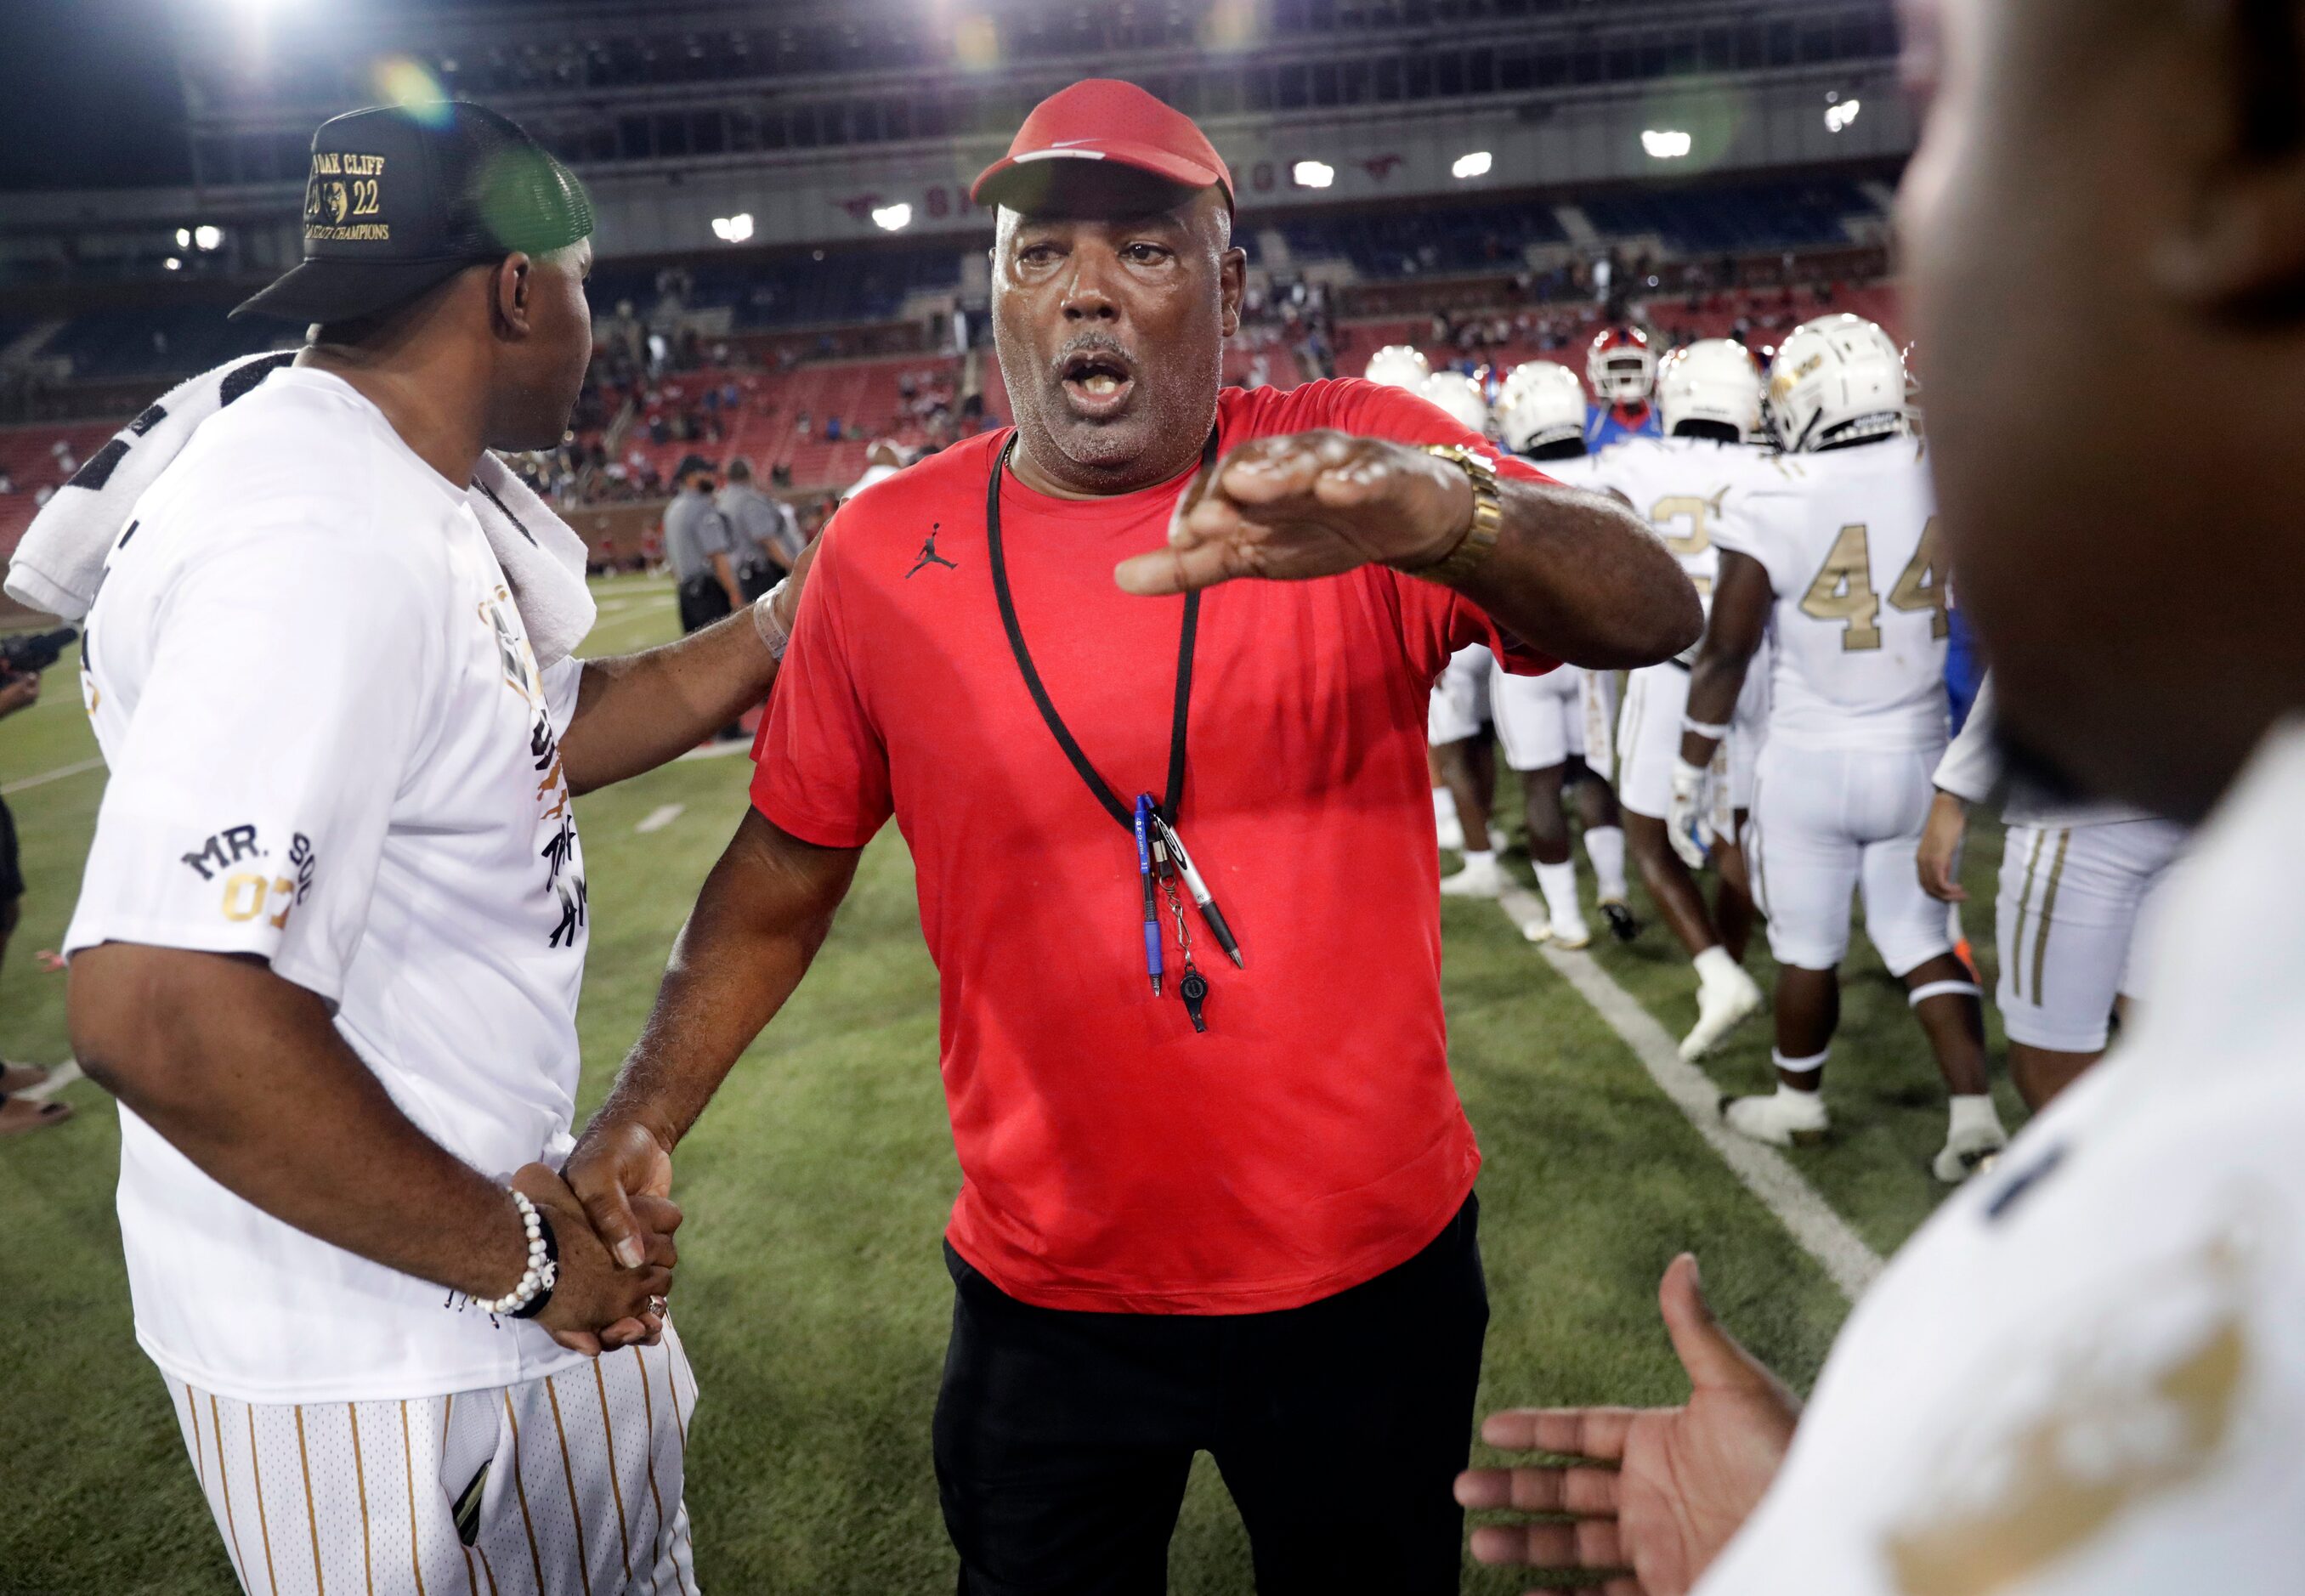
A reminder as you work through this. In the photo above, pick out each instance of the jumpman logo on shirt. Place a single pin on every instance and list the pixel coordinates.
(929, 557)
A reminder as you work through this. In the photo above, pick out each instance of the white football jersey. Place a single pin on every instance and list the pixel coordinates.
(1575, 470)
(331, 748)
(1684, 487)
(1850, 541)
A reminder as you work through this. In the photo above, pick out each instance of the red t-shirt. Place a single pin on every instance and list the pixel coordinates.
(1112, 1158)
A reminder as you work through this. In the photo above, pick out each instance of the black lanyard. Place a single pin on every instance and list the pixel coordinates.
(1123, 813)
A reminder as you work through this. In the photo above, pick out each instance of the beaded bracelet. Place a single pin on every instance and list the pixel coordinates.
(526, 1300)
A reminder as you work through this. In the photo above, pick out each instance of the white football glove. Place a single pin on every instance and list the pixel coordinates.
(1688, 827)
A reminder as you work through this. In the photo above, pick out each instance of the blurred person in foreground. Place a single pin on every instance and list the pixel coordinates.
(2086, 1375)
(1208, 1203)
(18, 690)
(329, 944)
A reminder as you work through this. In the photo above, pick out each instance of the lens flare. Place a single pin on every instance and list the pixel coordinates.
(404, 81)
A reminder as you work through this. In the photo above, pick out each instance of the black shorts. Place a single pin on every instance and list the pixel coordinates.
(11, 875)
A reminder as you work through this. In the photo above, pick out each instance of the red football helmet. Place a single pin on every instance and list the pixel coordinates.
(1621, 368)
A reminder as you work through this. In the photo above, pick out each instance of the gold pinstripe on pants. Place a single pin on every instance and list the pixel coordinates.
(311, 1518)
(199, 1456)
(224, 1474)
(616, 1485)
(520, 1490)
(648, 1417)
(2016, 954)
(256, 1468)
(2048, 912)
(569, 1475)
(408, 1458)
(359, 1478)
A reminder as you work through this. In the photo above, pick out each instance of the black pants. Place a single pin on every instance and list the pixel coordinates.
(1063, 1439)
(702, 601)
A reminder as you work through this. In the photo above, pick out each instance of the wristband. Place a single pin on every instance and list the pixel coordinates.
(1719, 733)
(526, 1299)
(773, 632)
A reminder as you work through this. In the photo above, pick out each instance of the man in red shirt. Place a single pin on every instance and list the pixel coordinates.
(1203, 1199)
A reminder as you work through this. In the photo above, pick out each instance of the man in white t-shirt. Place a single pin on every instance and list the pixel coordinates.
(329, 944)
(2086, 1375)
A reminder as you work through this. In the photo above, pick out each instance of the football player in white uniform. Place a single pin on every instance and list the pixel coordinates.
(2078, 880)
(1709, 396)
(1842, 559)
(1557, 730)
(1457, 723)
(1458, 702)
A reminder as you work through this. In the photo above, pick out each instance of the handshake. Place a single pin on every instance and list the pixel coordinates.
(613, 1218)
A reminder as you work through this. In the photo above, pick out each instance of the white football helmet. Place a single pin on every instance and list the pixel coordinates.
(1399, 365)
(1620, 366)
(1838, 379)
(1461, 396)
(1714, 380)
(1543, 405)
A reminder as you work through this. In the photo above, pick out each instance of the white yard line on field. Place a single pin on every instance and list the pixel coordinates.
(1822, 1234)
(46, 776)
(660, 817)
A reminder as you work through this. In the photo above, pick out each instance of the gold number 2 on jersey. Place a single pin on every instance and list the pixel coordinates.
(1687, 507)
(1843, 589)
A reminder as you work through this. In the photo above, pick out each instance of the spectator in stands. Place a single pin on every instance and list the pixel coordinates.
(18, 690)
(766, 530)
(832, 429)
(7, 482)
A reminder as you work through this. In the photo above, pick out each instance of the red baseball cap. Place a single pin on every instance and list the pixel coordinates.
(1104, 119)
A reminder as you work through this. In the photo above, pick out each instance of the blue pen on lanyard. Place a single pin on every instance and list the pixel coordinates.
(1145, 873)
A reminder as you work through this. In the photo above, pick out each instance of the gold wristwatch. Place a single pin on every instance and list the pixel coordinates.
(1480, 538)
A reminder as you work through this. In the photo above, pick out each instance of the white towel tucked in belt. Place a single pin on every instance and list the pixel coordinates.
(61, 559)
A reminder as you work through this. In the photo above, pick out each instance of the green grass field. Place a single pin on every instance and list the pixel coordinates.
(813, 1300)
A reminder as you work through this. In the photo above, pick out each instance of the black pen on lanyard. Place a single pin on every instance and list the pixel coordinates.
(1201, 900)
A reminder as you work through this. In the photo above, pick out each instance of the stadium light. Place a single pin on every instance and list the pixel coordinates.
(733, 230)
(183, 238)
(205, 235)
(1837, 117)
(1313, 174)
(173, 264)
(1475, 164)
(893, 218)
(1665, 144)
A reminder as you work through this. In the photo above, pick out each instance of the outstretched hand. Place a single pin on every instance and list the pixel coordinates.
(1658, 1491)
(1312, 504)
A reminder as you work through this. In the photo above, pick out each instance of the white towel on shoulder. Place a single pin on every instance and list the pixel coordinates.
(61, 559)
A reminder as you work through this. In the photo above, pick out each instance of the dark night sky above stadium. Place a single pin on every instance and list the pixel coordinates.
(88, 90)
(87, 94)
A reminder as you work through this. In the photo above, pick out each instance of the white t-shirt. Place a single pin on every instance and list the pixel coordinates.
(2086, 1375)
(1849, 541)
(330, 746)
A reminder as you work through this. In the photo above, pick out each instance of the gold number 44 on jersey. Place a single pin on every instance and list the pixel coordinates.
(1843, 592)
